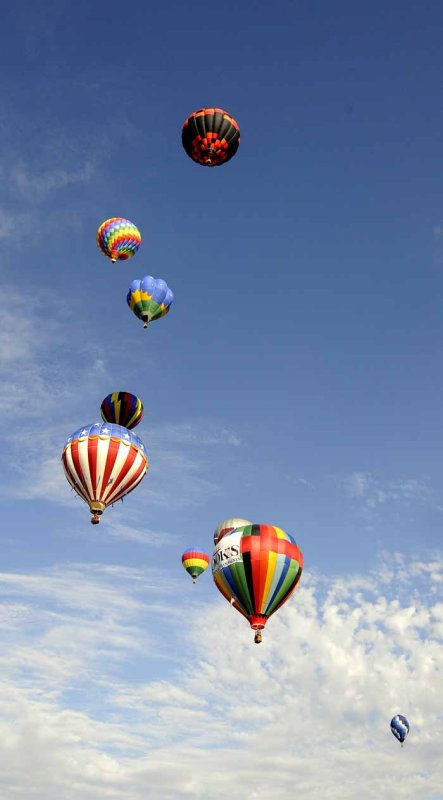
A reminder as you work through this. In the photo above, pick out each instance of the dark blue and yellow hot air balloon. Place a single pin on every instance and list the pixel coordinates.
(149, 298)
(122, 408)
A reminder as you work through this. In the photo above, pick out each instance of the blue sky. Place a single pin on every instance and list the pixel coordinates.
(297, 381)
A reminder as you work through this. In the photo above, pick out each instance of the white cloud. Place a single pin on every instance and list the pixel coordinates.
(309, 708)
(304, 482)
(198, 433)
(34, 355)
(371, 492)
(132, 531)
(36, 185)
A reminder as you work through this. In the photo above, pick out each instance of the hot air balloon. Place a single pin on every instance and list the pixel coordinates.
(122, 408)
(103, 463)
(195, 562)
(210, 136)
(118, 238)
(149, 298)
(400, 727)
(257, 568)
(227, 526)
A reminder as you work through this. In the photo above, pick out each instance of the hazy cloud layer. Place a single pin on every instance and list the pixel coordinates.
(309, 709)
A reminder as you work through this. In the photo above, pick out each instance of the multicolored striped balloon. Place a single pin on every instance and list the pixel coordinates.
(118, 238)
(195, 562)
(122, 408)
(227, 526)
(257, 568)
(149, 298)
(103, 463)
(210, 136)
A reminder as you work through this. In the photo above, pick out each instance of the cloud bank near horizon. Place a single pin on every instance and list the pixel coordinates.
(308, 709)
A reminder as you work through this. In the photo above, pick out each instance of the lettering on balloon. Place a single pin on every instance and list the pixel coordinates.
(226, 555)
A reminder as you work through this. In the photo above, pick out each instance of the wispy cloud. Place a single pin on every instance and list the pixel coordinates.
(34, 382)
(304, 482)
(33, 174)
(198, 433)
(364, 488)
(9, 225)
(35, 185)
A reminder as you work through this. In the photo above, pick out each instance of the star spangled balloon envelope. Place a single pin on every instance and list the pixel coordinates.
(257, 568)
(103, 462)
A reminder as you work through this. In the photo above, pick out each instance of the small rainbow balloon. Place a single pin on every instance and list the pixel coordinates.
(195, 562)
(118, 239)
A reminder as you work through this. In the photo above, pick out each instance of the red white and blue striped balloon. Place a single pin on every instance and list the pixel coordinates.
(103, 463)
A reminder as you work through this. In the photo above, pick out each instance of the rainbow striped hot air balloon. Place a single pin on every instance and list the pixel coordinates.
(195, 562)
(257, 568)
(122, 408)
(103, 463)
(149, 298)
(118, 238)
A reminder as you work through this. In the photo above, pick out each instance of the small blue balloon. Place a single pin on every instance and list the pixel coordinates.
(399, 727)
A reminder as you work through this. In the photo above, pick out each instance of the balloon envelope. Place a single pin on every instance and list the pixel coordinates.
(257, 568)
(122, 408)
(210, 136)
(118, 238)
(149, 298)
(399, 727)
(103, 463)
(227, 526)
(195, 561)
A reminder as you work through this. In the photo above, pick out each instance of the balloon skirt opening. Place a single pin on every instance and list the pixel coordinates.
(257, 622)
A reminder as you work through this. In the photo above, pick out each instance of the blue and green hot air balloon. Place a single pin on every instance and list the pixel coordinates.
(149, 298)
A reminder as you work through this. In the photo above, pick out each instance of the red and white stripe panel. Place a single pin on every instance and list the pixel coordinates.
(103, 468)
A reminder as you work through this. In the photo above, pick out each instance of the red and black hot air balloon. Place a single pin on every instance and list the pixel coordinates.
(211, 136)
